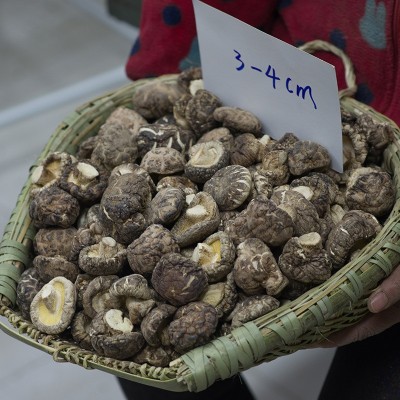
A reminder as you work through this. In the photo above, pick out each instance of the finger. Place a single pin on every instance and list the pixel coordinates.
(371, 325)
(386, 294)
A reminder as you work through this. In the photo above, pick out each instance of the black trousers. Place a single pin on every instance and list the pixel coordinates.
(366, 370)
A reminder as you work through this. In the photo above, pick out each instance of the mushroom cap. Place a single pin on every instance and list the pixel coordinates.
(155, 321)
(54, 241)
(199, 111)
(155, 356)
(50, 267)
(274, 165)
(53, 307)
(194, 325)
(104, 258)
(230, 186)
(205, 159)
(134, 285)
(166, 206)
(251, 308)
(354, 230)
(216, 255)
(305, 260)
(238, 120)
(178, 279)
(246, 150)
(80, 326)
(219, 134)
(371, 191)
(178, 182)
(262, 219)
(129, 119)
(163, 161)
(256, 270)
(28, 285)
(157, 238)
(199, 220)
(306, 156)
(54, 207)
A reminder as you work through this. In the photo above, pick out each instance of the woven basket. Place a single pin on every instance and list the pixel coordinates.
(327, 308)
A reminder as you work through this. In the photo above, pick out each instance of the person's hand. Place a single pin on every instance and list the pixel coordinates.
(384, 304)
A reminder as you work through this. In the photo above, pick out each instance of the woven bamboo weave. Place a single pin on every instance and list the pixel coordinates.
(337, 303)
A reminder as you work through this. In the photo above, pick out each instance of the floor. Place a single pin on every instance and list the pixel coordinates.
(56, 55)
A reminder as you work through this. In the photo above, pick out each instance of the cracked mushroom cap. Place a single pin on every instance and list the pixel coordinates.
(177, 182)
(371, 191)
(115, 146)
(134, 285)
(274, 165)
(246, 150)
(155, 99)
(262, 219)
(178, 279)
(205, 159)
(104, 258)
(251, 308)
(238, 120)
(199, 220)
(163, 161)
(199, 111)
(256, 270)
(355, 229)
(53, 307)
(97, 296)
(302, 211)
(323, 188)
(216, 255)
(85, 181)
(194, 324)
(230, 186)
(305, 260)
(306, 156)
(28, 286)
(52, 242)
(50, 267)
(54, 207)
(49, 171)
(166, 206)
(164, 135)
(157, 238)
(219, 134)
(112, 335)
(154, 323)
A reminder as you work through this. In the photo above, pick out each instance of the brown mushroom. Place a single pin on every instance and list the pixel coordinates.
(178, 182)
(104, 258)
(54, 207)
(163, 161)
(28, 286)
(129, 119)
(262, 219)
(178, 279)
(246, 150)
(274, 165)
(251, 308)
(194, 325)
(238, 120)
(199, 220)
(215, 255)
(52, 242)
(154, 323)
(53, 307)
(354, 230)
(159, 240)
(256, 270)
(219, 134)
(205, 159)
(50, 267)
(156, 356)
(80, 327)
(230, 186)
(305, 260)
(371, 191)
(306, 156)
(166, 206)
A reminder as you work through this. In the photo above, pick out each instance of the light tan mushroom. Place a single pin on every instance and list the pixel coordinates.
(53, 307)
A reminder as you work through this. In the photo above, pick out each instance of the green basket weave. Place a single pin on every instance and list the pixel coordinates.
(327, 308)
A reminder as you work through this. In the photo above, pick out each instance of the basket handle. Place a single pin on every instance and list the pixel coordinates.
(350, 77)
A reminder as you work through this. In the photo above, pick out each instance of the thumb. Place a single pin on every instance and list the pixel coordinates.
(386, 294)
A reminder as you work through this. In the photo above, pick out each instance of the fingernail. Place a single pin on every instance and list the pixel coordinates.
(378, 302)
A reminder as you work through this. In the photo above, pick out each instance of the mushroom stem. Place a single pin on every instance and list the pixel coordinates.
(86, 172)
(50, 298)
(107, 247)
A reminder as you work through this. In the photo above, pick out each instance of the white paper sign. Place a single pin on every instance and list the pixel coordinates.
(288, 89)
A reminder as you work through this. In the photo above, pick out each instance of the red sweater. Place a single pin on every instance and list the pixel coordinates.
(368, 31)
